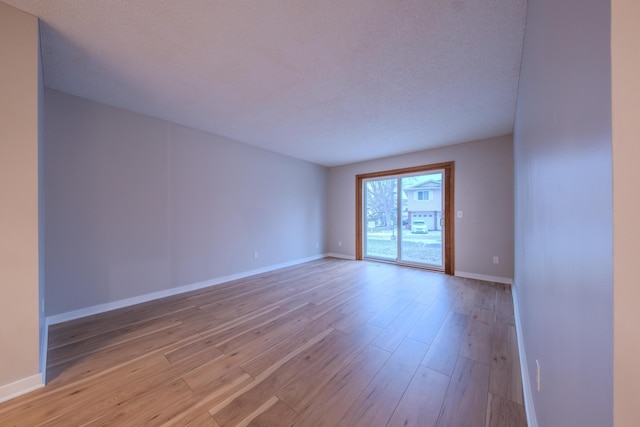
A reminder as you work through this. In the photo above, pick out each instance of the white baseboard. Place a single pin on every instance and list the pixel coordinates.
(20, 387)
(526, 382)
(497, 279)
(101, 308)
(341, 256)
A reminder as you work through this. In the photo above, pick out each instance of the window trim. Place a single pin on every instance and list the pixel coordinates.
(448, 167)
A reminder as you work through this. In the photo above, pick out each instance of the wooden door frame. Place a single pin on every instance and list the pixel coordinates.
(448, 178)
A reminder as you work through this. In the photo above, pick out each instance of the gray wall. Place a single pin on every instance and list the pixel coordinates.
(136, 205)
(483, 191)
(563, 250)
(19, 315)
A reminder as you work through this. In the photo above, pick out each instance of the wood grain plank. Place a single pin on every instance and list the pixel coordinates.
(278, 415)
(268, 358)
(466, 298)
(218, 391)
(486, 297)
(267, 373)
(226, 310)
(142, 411)
(505, 380)
(391, 337)
(420, 405)
(203, 420)
(270, 381)
(142, 380)
(202, 346)
(465, 404)
(385, 316)
(357, 312)
(376, 403)
(443, 352)
(119, 355)
(258, 411)
(343, 389)
(97, 343)
(299, 392)
(504, 305)
(79, 396)
(267, 334)
(477, 342)
(504, 413)
(430, 323)
(67, 333)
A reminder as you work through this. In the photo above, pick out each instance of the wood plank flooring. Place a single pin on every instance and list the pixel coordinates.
(326, 343)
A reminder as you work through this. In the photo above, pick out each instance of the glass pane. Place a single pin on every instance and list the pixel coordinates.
(380, 218)
(422, 219)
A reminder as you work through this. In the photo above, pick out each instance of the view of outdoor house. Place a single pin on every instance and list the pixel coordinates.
(417, 236)
(424, 202)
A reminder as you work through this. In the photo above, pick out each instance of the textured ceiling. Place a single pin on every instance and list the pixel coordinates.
(328, 81)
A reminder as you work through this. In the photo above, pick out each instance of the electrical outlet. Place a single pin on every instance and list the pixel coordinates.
(317, 245)
(496, 260)
(255, 255)
(538, 374)
(459, 214)
(339, 242)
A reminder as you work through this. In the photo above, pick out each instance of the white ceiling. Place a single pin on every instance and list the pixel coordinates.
(328, 81)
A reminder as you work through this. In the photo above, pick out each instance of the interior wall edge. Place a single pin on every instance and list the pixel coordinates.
(20, 321)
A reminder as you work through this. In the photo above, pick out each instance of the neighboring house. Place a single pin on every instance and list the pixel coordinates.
(424, 202)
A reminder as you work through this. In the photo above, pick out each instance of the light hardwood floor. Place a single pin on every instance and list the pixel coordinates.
(326, 343)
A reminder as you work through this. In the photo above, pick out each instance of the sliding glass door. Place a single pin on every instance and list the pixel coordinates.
(422, 223)
(381, 218)
(403, 218)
